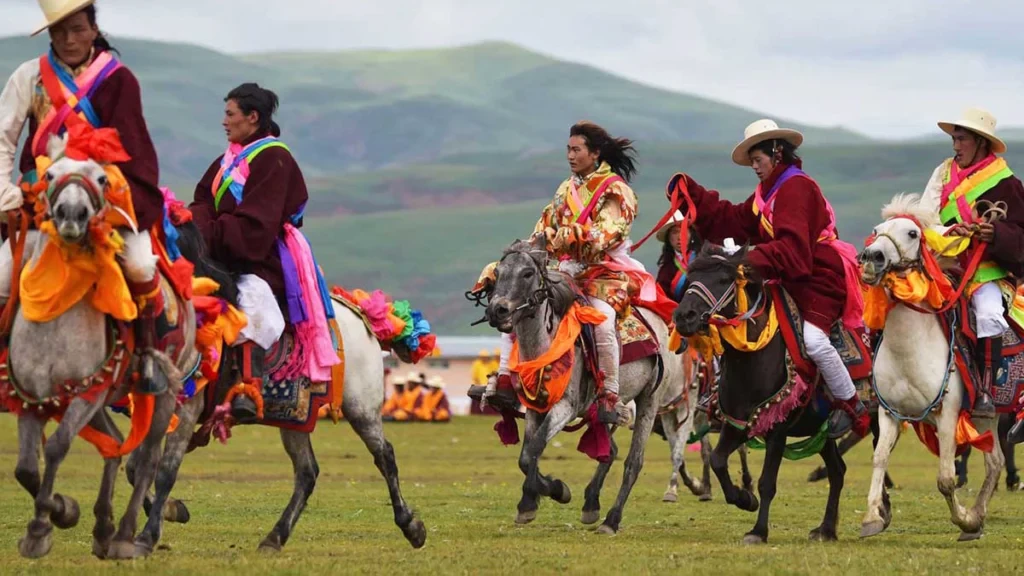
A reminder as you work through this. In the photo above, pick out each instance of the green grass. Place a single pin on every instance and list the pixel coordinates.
(465, 486)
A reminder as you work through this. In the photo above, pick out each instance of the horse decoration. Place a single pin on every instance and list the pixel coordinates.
(555, 375)
(362, 325)
(925, 318)
(768, 388)
(71, 350)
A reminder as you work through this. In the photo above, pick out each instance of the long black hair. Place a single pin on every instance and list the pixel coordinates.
(781, 150)
(619, 153)
(668, 250)
(252, 97)
(101, 42)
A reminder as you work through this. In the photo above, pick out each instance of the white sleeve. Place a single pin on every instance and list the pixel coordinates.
(932, 195)
(15, 103)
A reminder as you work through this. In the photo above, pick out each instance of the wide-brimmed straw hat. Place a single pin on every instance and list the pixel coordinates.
(56, 11)
(979, 121)
(758, 132)
(664, 230)
(435, 382)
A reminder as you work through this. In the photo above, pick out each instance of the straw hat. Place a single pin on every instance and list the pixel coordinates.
(413, 377)
(664, 230)
(979, 121)
(436, 382)
(56, 10)
(758, 132)
(398, 381)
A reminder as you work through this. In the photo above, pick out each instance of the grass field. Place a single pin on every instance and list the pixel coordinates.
(465, 486)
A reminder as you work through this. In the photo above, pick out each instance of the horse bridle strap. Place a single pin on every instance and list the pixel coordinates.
(57, 186)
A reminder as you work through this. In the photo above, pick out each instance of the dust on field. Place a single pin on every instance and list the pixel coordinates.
(465, 487)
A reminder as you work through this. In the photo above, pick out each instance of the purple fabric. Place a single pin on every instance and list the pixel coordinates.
(292, 288)
(786, 175)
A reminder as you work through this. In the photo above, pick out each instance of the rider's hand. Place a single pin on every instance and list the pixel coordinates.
(10, 197)
(961, 229)
(986, 232)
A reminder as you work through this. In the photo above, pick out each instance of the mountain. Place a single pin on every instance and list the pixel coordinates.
(363, 110)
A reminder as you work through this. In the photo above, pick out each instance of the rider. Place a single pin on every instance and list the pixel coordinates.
(587, 227)
(673, 263)
(248, 207)
(83, 67)
(950, 192)
(792, 229)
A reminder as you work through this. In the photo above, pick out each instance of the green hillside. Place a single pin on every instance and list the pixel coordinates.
(368, 109)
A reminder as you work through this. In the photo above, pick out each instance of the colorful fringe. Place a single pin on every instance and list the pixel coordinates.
(393, 322)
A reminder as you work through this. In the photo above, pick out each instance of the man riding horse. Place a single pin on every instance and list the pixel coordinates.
(792, 229)
(80, 84)
(587, 227)
(965, 190)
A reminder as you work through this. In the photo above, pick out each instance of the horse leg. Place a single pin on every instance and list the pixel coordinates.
(371, 431)
(536, 484)
(728, 442)
(103, 510)
(1012, 478)
(592, 495)
(945, 430)
(63, 511)
(976, 515)
(123, 547)
(960, 468)
(748, 480)
(676, 444)
(705, 457)
(836, 475)
(847, 442)
(875, 433)
(30, 438)
(878, 514)
(646, 412)
(775, 446)
(300, 450)
(167, 508)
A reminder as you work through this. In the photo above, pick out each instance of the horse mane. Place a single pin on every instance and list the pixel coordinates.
(713, 256)
(562, 287)
(910, 205)
(193, 248)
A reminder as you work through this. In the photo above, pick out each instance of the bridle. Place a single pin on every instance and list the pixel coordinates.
(711, 317)
(538, 297)
(96, 196)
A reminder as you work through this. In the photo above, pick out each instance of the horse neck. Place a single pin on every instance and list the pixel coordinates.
(532, 332)
(910, 333)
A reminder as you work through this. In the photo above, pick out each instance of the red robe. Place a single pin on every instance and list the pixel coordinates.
(118, 103)
(1007, 247)
(810, 271)
(244, 236)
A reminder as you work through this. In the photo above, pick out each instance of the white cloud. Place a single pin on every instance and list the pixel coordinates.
(884, 67)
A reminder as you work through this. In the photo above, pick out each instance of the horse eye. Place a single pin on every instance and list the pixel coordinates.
(529, 274)
(913, 234)
(47, 176)
(102, 180)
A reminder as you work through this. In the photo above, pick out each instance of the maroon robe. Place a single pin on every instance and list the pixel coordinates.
(1007, 247)
(810, 271)
(667, 273)
(244, 236)
(118, 103)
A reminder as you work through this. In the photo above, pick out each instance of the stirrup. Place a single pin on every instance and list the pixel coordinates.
(243, 410)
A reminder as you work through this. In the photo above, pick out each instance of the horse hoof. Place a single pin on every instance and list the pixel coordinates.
(606, 530)
(820, 535)
(970, 536)
(560, 493)
(33, 547)
(271, 544)
(748, 501)
(416, 533)
(751, 539)
(705, 497)
(873, 528)
(175, 511)
(590, 517)
(526, 517)
(670, 497)
(68, 517)
(121, 550)
(100, 549)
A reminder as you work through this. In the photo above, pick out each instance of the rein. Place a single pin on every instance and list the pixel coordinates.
(17, 221)
(680, 191)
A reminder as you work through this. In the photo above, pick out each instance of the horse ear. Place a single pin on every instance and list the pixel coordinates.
(56, 146)
(539, 241)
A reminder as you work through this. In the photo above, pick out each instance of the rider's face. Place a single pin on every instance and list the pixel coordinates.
(673, 237)
(581, 160)
(966, 147)
(72, 39)
(239, 126)
(762, 164)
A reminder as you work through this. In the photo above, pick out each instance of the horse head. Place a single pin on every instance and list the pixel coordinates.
(522, 284)
(74, 191)
(711, 284)
(896, 244)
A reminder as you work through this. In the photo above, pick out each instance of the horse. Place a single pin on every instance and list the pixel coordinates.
(908, 377)
(753, 385)
(1013, 482)
(66, 363)
(849, 441)
(361, 405)
(531, 300)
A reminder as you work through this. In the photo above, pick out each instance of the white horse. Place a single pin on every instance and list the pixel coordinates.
(914, 377)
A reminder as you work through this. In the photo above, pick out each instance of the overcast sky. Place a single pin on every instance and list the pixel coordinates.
(887, 68)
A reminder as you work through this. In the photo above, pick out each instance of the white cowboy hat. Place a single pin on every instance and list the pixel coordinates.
(398, 381)
(664, 230)
(758, 132)
(435, 382)
(57, 10)
(979, 121)
(413, 377)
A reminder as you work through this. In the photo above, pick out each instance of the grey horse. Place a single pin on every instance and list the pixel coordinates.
(529, 299)
(48, 355)
(361, 405)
